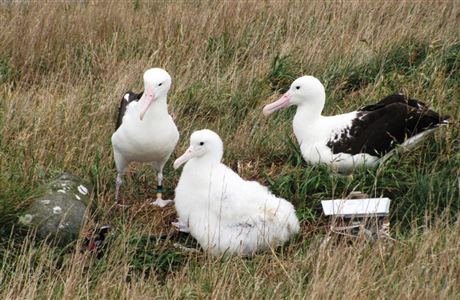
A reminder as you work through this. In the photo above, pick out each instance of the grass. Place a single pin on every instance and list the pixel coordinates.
(64, 66)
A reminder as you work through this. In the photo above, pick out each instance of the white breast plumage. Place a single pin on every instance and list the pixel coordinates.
(225, 213)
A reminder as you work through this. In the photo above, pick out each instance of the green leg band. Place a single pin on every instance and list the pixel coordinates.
(159, 191)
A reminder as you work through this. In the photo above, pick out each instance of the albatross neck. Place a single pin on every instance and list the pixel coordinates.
(208, 160)
(158, 107)
(310, 110)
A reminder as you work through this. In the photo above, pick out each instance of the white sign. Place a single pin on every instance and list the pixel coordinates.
(350, 207)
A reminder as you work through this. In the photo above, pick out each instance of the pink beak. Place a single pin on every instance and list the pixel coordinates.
(284, 101)
(149, 96)
(189, 153)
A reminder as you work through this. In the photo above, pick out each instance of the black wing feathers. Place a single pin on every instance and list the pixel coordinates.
(379, 127)
(395, 98)
(127, 99)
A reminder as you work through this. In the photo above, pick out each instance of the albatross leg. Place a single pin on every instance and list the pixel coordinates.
(118, 183)
(121, 164)
(159, 200)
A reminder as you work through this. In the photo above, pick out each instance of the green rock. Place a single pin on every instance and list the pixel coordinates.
(59, 213)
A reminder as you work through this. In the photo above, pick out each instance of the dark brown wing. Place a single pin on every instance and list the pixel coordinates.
(395, 98)
(378, 128)
(125, 101)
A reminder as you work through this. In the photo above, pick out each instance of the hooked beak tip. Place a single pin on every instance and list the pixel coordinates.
(183, 158)
(284, 101)
(266, 112)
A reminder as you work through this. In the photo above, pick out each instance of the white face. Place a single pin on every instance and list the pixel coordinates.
(156, 85)
(157, 81)
(203, 143)
(306, 89)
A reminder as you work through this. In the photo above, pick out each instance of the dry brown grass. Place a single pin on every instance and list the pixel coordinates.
(76, 60)
(65, 65)
(424, 266)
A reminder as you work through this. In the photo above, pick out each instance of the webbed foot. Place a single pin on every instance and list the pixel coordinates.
(181, 226)
(160, 202)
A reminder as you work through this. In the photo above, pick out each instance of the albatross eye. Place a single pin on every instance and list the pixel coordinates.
(297, 87)
(160, 84)
(201, 143)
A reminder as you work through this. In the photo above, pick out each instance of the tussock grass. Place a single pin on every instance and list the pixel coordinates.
(64, 67)
(422, 266)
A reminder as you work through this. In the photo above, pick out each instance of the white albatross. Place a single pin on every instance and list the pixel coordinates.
(145, 131)
(357, 139)
(223, 212)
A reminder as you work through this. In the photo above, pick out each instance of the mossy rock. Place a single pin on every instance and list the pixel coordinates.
(59, 213)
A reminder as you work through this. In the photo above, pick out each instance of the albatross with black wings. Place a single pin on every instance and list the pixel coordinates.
(359, 138)
(145, 132)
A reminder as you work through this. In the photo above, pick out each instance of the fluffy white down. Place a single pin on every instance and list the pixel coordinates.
(227, 214)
